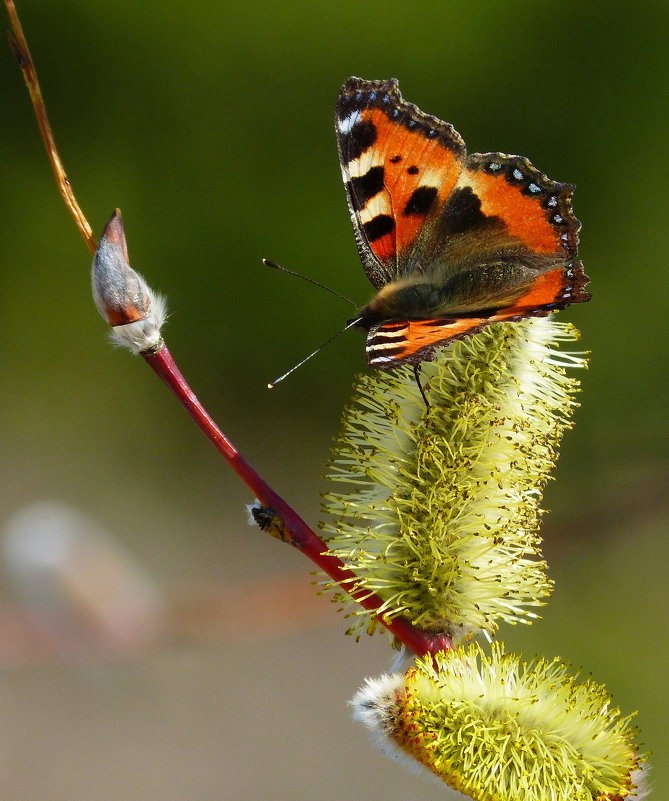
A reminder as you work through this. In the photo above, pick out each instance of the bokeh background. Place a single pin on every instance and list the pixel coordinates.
(210, 125)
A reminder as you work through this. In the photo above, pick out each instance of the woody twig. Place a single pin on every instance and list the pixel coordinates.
(21, 50)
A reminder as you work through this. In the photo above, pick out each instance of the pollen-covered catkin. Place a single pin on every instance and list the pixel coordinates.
(500, 729)
(437, 509)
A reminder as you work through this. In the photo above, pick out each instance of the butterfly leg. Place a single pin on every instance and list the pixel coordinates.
(416, 373)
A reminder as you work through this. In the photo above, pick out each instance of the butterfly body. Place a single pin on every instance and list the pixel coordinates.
(452, 242)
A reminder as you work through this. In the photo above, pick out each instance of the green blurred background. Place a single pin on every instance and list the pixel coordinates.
(210, 125)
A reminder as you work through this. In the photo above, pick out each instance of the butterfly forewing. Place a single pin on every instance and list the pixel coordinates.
(399, 166)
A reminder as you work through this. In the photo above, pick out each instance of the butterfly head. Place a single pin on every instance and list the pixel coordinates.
(406, 299)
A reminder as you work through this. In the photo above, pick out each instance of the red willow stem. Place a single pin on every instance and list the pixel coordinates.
(300, 535)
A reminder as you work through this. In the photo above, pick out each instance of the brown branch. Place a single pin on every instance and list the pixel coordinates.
(21, 50)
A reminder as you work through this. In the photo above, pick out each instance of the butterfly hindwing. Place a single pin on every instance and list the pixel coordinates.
(534, 210)
(393, 343)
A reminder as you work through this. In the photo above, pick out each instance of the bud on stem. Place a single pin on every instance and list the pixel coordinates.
(122, 296)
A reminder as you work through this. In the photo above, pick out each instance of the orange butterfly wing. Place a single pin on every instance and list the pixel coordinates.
(409, 341)
(384, 144)
(496, 238)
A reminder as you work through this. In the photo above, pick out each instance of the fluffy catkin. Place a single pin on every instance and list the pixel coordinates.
(437, 509)
(501, 729)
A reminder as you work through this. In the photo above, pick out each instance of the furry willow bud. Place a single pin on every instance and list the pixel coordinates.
(441, 512)
(499, 729)
(123, 298)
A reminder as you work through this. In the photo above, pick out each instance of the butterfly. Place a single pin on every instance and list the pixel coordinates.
(451, 242)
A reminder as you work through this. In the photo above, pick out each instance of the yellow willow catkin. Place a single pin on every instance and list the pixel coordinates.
(500, 729)
(437, 509)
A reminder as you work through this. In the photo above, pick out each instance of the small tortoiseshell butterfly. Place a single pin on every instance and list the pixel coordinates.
(451, 242)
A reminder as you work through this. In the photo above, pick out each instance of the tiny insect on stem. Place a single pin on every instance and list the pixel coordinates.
(300, 535)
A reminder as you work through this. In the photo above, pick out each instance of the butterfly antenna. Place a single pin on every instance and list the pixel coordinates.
(276, 266)
(348, 325)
